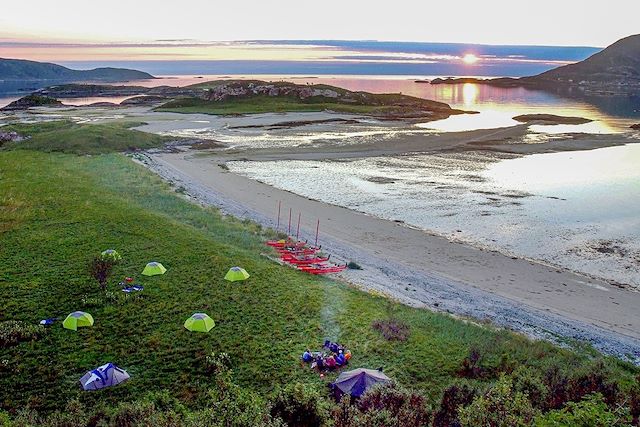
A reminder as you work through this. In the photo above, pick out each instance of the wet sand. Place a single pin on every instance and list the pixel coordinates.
(423, 269)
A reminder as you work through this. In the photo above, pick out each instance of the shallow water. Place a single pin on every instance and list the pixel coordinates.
(579, 210)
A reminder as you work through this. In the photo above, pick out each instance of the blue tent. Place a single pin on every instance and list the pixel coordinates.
(103, 376)
(358, 381)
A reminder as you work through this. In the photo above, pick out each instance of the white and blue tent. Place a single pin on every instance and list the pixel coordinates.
(103, 376)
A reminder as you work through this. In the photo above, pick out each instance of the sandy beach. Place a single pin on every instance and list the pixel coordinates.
(419, 268)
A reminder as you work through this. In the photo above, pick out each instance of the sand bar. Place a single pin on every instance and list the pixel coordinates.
(426, 270)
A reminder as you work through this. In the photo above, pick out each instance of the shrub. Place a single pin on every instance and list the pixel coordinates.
(501, 406)
(634, 402)
(592, 411)
(472, 366)
(392, 329)
(594, 380)
(557, 383)
(100, 269)
(218, 363)
(5, 421)
(13, 332)
(300, 405)
(453, 398)
(392, 405)
(528, 381)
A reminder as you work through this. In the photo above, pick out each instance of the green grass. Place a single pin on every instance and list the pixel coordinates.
(266, 104)
(69, 137)
(58, 210)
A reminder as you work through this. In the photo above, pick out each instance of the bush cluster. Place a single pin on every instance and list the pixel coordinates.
(13, 332)
(392, 330)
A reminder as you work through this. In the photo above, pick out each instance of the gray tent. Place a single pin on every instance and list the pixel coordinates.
(358, 381)
(103, 376)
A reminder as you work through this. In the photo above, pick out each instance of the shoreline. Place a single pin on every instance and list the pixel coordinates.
(426, 270)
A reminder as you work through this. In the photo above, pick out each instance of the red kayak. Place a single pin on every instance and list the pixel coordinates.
(286, 243)
(303, 260)
(297, 252)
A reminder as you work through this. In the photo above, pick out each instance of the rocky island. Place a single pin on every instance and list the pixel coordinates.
(252, 96)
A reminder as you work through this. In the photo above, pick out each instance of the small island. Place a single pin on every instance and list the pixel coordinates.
(551, 119)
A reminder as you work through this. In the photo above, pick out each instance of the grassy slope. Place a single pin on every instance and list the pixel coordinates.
(58, 210)
(264, 104)
(68, 137)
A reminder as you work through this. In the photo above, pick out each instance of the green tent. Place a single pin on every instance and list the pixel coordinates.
(110, 254)
(77, 319)
(153, 268)
(199, 322)
(235, 274)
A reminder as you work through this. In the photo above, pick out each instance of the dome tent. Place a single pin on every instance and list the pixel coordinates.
(153, 269)
(357, 381)
(77, 319)
(236, 274)
(103, 376)
(199, 322)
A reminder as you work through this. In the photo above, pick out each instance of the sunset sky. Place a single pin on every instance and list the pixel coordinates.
(68, 31)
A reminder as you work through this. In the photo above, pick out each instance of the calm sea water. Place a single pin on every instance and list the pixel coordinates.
(579, 210)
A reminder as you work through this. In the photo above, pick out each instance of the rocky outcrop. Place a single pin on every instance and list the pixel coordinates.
(143, 100)
(635, 126)
(33, 100)
(9, 137)
(243, 89)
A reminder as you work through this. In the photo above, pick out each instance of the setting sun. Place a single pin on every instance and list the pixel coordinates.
(470, 58)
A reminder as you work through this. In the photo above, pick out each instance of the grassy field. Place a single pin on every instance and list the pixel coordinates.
(69, 137)
(265, 104)
(59, 210)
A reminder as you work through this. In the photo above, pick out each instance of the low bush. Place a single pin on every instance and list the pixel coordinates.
(388, 405)
(100, 269)
(13, 332)
(472, 366)
(300, 405)
(500, 406)
(592, 411)
(453, 398)
(392, 330)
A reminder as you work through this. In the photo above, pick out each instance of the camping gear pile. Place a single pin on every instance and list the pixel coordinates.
(304, 257)
(333, 356)
(128, 286)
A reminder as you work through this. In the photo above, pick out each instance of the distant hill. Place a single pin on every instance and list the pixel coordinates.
(618, 64)
(19, 69)
(615, 69)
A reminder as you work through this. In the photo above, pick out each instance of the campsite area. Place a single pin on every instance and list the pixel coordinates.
(59, 210)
